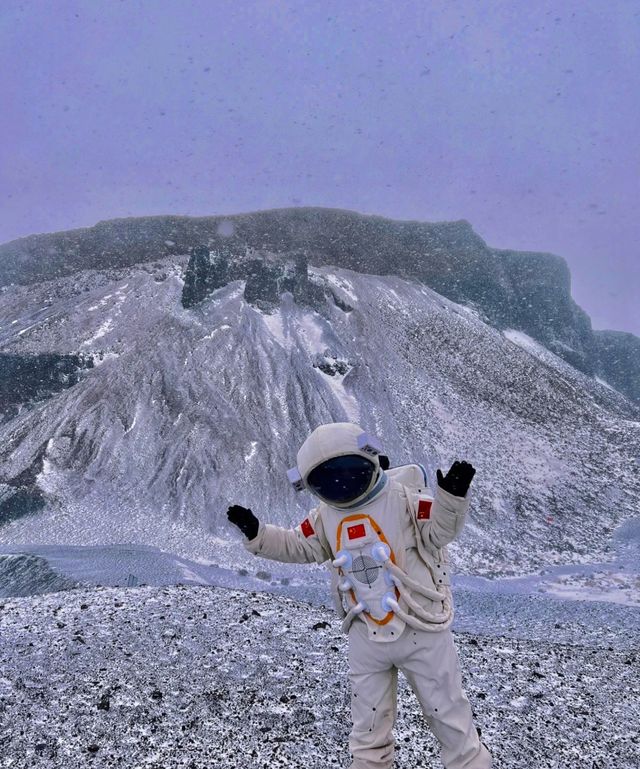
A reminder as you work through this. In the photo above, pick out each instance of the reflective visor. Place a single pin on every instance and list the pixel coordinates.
(341, 479)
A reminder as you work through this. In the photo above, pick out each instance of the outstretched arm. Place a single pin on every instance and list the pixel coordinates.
(306, 543)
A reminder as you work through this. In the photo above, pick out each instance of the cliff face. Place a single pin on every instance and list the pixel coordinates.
(618, 355)
(526, 291)
(540, 304)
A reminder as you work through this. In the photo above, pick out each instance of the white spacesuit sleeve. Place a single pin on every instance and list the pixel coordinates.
(306, 543)
(447, 518)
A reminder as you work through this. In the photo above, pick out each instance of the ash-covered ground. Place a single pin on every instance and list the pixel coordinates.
(188, 677)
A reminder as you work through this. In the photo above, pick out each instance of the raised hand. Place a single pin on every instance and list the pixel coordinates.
(458, 479)
(244, 519)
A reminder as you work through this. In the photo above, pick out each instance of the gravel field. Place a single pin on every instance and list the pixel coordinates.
(193, 677)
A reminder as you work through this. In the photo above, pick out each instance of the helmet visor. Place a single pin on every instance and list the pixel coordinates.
(342, 479)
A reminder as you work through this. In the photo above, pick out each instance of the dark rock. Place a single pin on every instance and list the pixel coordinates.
(28, 379)
(104, 703)
(261, 287)
(206, 271)
(618, 361)
(19, 501)
(268, 279)
(319, 625)
(305, 292)
(330, 365)
(340, 303)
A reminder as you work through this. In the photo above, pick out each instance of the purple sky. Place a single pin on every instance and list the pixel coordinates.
(524, 121)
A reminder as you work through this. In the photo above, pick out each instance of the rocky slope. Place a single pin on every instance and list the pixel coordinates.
(190, 408)
(522, 290)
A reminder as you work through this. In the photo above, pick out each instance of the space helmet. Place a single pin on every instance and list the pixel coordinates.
(340, 464)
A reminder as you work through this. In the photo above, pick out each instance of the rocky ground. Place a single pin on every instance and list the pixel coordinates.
(193, 677)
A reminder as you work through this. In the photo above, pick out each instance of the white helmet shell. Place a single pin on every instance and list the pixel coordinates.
(335, 440)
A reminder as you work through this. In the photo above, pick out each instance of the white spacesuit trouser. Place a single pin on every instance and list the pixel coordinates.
(430, 663)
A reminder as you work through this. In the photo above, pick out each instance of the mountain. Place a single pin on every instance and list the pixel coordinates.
(526, 291)
(185, 401)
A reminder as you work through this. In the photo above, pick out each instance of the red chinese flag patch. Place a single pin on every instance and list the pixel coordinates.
(424, 509)
(356, 531)
(307, 528)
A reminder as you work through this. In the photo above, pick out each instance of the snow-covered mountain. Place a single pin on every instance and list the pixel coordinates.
(173, 412)
(527, 291)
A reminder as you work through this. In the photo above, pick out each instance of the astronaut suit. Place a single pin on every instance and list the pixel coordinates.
(384, 535)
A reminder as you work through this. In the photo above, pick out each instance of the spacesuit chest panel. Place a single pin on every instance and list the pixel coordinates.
(379, 521)
(363, 540)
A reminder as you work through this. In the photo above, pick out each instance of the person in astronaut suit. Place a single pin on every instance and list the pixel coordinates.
(385, 537)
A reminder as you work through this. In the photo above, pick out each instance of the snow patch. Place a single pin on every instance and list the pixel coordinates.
(215, 330)
(24, 330)
(133, 423)
(604, 383)
(612, 586)
(347, 401)
(252, 451)
(275, 325)
(344, 285)
(100, 357)
(104, 329)
(191, 575)
(312, 333)
(524, 340)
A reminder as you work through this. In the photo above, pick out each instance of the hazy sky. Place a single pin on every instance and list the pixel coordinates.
(522, 117)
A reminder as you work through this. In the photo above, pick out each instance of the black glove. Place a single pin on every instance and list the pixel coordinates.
(244, 519)
(458, 479)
